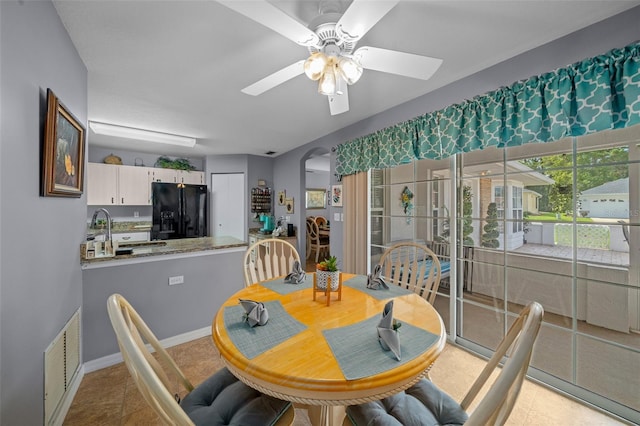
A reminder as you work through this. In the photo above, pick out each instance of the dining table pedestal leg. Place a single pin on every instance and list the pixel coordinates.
(326, 415)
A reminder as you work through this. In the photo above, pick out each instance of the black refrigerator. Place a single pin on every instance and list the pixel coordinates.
(179, 211)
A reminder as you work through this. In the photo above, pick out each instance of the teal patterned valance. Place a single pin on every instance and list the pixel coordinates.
(593, 95)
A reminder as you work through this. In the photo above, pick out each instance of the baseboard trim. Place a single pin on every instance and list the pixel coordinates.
(109, 360)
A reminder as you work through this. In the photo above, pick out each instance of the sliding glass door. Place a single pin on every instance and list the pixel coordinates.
(558, 223)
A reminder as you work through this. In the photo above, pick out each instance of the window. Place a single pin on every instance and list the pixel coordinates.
(498, 198)
(516, 208)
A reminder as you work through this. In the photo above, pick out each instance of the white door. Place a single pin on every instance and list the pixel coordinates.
(228, 205)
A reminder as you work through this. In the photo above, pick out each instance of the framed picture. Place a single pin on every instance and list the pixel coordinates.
(62, 172)
(282, 195)
(289, 203)
(336, 195)
(316, 199)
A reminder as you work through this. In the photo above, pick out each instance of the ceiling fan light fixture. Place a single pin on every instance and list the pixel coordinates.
(349, 69)
(327, 84)
(314, 65)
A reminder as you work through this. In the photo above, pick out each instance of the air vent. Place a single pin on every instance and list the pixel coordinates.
(61, 364)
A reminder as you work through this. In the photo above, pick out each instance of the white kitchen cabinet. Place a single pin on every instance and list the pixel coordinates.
(191, 177)
(102, 184)
(164, 175)
(128, 237)
(177, 176)
(133, 186)
(116, 185)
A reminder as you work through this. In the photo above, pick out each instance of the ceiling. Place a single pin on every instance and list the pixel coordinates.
(178, 66)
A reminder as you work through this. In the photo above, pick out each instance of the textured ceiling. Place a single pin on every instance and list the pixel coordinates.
(178, 66)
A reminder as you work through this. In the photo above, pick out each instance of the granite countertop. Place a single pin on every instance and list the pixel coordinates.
(142, 249)
(121, 227)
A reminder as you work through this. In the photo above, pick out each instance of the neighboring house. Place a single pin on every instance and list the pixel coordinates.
(531, 201)
(607, 200)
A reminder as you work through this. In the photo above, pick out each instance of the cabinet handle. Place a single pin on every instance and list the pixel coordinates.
(112, 202)
(122, 202)
(126, 238)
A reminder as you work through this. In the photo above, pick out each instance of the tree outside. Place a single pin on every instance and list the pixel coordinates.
(491, 233)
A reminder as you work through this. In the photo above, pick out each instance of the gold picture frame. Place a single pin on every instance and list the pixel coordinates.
(62, 170)
(290, 205)
(282, 196)
(316, 198)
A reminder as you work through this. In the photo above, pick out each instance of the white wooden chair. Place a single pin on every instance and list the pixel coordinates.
(430, 405)
(155, 377)
(412, 266)
(269, 258)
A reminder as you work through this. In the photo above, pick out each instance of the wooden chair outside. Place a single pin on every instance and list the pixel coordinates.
(412, 266)
(156, 377)
(317, 243)
(436, 407)
(272, 258)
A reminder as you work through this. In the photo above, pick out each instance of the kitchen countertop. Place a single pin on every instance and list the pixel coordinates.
(256, 232)
(155, 250)
(121, 228)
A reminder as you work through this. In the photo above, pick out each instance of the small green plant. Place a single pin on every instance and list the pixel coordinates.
(330, 264)
(177, 164)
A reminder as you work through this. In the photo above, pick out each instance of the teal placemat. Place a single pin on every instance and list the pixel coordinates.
(359, 282)
(252, 341)
(279, 286)
(359, 354)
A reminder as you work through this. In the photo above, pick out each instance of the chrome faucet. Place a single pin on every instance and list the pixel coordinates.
(108, 218)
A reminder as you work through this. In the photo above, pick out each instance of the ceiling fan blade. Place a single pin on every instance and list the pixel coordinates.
(273, 18)
(339, 103)
(358, 19)
(275, 79)
(394, 62)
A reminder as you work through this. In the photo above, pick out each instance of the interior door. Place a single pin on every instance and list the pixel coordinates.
(228, 205)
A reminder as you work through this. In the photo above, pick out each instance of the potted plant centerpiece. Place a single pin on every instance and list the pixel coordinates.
(325, 270)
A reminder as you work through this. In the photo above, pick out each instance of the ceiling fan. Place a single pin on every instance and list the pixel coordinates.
(331, 39)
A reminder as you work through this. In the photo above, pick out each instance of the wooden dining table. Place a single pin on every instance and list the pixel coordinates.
(326, 357)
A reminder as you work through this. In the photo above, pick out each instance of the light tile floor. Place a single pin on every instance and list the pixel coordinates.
(109, 396)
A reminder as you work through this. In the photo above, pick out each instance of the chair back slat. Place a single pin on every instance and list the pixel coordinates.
(413, 266)
(515, 350)
(150, 374)
(272, 258)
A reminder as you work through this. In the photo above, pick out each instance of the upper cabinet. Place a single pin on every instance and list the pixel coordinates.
(177, 176)
(191, 177)
(133, 186)
(113, 185)
(102, 184)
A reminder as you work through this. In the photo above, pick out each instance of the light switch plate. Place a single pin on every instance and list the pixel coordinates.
(336, 217)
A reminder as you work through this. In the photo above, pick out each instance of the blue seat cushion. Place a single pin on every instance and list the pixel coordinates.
(224, 400)
(423, 404)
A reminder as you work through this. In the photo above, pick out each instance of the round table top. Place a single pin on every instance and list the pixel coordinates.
(303, 367)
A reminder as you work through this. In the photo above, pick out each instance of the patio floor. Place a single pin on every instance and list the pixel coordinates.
(607, 257)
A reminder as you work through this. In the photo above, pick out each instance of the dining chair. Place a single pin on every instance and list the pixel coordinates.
(413, 266)
(317, 242)
(321, 221)
(220, 400)
(425, 403)
(268, 258)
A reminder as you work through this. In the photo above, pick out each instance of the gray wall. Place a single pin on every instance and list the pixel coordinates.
(40, 278)
(615, 32)
(168, 310)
